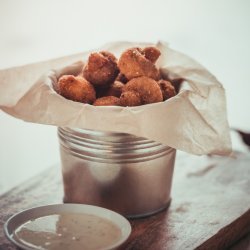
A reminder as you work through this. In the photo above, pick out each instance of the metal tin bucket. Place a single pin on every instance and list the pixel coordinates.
(128, 174)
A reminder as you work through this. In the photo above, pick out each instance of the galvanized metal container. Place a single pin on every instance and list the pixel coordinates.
(128, 174)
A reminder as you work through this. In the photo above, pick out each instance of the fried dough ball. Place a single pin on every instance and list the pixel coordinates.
(121, 78)
(133, 63)
(109, 55)
(151, 53)
(76, 88)
(167, 89)
(107, 101)
(115, 89)
(147, 88)
(130, 98)
(174, 80)
(101, 68)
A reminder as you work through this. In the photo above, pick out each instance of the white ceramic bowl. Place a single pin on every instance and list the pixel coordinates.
(30, 214)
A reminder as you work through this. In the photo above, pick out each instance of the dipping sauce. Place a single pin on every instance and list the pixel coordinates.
(68, 231)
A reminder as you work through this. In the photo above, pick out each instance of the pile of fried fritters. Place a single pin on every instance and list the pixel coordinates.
(132, 80)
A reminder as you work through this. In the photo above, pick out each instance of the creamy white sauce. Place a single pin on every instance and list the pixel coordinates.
(68, 231)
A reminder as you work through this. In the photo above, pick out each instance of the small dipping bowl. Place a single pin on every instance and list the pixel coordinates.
(122, 172)
(18, 220)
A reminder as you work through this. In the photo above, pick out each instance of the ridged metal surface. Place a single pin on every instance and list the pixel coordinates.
(118, 171)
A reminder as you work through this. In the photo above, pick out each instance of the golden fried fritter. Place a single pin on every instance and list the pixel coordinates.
(176, 82)
(76, 88)
(167, 89)
(151, 53)
(107, 101)
(121, 78)
(133, 63)
(109, 55)
(147, 88)
(101, 68)
(130, 98)
(130, 82)
(115, 89)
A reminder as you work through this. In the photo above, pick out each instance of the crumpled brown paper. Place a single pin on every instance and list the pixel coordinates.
(194, 121)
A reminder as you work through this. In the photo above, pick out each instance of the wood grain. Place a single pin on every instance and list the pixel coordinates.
(210, 208)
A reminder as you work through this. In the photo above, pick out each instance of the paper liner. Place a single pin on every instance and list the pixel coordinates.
(194, 121)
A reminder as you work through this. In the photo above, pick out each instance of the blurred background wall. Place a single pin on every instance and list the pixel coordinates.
(215, 33)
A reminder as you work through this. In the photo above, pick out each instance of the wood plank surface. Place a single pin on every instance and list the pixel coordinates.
(210, 208)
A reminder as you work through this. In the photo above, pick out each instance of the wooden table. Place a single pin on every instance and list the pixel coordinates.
(210, 208)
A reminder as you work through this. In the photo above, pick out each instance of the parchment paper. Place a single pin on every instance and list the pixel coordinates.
(194, 121)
